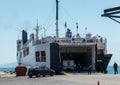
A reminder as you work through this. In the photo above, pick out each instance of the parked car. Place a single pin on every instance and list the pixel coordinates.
(38, 71)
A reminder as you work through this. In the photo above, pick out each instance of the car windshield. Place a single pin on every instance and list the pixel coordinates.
(44, 68)
(40, 68)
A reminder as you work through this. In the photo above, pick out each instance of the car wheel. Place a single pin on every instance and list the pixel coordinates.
(43, 75)
(30, 76)
(51, 74)
(38, 75)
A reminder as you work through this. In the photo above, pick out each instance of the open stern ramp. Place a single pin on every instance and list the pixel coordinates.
(83, 54)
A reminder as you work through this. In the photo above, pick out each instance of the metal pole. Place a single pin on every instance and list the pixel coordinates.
(98, 83)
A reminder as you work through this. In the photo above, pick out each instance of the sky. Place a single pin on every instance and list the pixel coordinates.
(16, 15)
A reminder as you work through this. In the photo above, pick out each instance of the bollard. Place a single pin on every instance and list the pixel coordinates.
(98, 83)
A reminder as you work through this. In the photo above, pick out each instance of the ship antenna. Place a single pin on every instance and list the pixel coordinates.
(57, 33)
(44, 31)
(77, 28)
(65, 28)
(37, 31)
(85, 30)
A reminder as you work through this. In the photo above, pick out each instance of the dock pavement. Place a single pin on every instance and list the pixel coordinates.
(67, 79)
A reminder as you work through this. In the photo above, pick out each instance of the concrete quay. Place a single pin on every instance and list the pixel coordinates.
(68, 79)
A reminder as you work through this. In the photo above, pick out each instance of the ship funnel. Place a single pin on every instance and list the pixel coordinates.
(24, 37)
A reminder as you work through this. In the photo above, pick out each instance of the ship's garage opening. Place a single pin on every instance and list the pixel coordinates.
(71, 55)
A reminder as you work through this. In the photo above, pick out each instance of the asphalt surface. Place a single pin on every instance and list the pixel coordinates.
(67, 79)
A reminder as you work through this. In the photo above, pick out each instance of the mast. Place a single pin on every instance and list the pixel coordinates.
(57, 33)
(37, 31)
(76, 28)
(65, 28)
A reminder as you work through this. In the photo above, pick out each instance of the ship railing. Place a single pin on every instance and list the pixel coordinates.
(38, 42)
(77, 44)
(82, 40)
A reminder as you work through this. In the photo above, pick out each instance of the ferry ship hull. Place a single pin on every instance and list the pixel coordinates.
(103, 64)
(61, 53)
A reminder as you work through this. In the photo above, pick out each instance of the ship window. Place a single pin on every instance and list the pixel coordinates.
(20, 54)
(43, 56)
(37, 54)
(26, 52)
(23, 53)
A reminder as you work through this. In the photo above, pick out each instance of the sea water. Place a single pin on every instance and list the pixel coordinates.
(7, 69)
(110, 70)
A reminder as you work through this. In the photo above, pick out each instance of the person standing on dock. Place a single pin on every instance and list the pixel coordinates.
(89, 69)
(115, 66)
(79, 67)
(74, 66)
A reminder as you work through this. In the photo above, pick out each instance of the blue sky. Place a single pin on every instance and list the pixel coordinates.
(16, 15)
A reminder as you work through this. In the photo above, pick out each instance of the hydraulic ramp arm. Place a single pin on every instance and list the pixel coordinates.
(112, 13)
